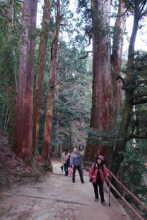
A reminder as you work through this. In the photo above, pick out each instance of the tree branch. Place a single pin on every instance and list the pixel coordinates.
(137, 137)
(141, 101)
(85, 56)
(141, 82)
(142, 5)
(144, 13)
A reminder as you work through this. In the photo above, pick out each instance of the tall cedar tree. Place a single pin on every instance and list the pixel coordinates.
(116, 58)
(102, 106)
(41, 69)
(51, 90)
(138, 8)
(24, 101)
(106, 88)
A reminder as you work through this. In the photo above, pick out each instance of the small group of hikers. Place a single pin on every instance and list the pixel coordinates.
(72, 162)
(97, 173)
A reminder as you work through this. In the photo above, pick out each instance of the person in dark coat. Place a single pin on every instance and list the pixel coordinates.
(76, 164)
(67, 163)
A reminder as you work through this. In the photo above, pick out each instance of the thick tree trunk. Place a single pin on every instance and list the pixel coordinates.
(51, 92)
(24, 102)
(41, 69)
(116, 58)
(102, 109)
(120, 144)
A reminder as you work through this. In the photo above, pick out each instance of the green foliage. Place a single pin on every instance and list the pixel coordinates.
(141, 64)
(73, 102)
(73, 97)
(9, 40)
(142, 147)
(102, 138)
(139, 7)
(132, 170)
(139, 84)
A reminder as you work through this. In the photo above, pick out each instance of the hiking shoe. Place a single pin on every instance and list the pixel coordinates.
(103, 203)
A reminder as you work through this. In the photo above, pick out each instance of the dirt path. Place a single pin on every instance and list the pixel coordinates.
(57, 198)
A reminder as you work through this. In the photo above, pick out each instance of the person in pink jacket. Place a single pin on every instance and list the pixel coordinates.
(98, 172)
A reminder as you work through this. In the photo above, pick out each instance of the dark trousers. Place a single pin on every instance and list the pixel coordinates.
(66, 169)
(79, 168)
(96, 186)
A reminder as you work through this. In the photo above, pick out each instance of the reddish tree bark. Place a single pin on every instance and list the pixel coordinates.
(41, 68)
(102, 109)
(24, 102)
(51, 91)
(116, 57)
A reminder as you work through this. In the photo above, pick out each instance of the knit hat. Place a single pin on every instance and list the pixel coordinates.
(101, 157)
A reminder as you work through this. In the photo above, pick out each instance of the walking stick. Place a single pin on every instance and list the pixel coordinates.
(109, 191)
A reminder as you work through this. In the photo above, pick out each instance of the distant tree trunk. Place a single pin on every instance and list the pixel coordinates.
(24, 102)
(102, 109)
(116, 58)
(120, 144)
(51, 92)
(41, 69)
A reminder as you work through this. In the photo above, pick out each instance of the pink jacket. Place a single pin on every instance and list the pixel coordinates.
(104, 172)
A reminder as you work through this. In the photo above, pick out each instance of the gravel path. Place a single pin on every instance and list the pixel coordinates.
(57, 198)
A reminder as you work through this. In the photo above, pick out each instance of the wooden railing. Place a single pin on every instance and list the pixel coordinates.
(136, 212)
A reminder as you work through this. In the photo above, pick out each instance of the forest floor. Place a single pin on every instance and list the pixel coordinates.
(55, 197)
(12, 169)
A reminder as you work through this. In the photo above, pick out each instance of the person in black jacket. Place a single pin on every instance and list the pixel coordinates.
(66, 163)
